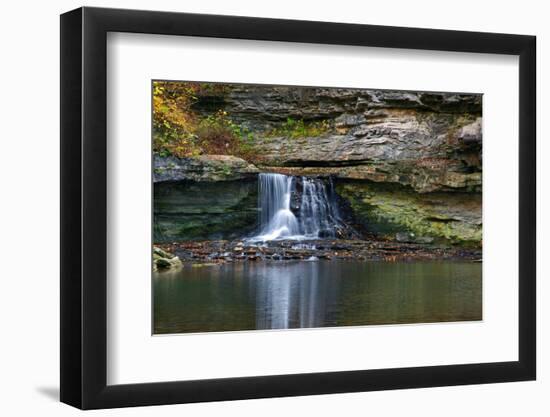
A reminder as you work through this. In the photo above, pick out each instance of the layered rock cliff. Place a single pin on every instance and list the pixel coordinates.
(403, 162)
(430, 141)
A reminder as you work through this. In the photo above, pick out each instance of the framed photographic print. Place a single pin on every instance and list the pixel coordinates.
(257, 208)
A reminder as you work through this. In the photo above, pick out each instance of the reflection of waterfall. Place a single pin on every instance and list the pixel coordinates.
(318, 215)
(289, 296)
(273, 300)
(309, 303)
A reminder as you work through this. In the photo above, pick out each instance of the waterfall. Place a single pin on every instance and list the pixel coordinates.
(317, 213)
(276, 218)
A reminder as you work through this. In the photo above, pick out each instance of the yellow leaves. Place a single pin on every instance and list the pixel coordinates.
(172, 117)
(157, 89)
(178, 131)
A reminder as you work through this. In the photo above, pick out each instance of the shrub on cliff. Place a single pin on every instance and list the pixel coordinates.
(217, 134)
(178, 131)
(298, 128)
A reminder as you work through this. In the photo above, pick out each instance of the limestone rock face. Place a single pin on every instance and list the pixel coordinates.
(262, 106)
(430, 141)
(202, 168)
(426, 151)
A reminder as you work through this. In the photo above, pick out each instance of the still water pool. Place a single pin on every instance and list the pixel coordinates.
(283, 295)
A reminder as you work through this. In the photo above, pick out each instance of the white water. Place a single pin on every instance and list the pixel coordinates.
(276, 219)
(317, 213)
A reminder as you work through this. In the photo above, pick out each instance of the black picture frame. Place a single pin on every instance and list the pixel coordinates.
(84, 207)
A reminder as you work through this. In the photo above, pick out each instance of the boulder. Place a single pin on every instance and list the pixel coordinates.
(159, 253)
(164, 260)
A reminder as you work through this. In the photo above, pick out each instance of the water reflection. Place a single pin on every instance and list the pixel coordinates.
(288, 296)
(314, 294)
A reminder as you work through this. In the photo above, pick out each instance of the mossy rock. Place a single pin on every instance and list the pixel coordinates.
(189, 210)
(164, 260)
(158, 253)
(387, 210)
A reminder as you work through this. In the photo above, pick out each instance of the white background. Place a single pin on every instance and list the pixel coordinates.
(29, 220)
(134, 356)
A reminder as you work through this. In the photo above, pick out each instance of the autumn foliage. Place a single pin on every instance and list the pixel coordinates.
(173, 120)
(179, 131)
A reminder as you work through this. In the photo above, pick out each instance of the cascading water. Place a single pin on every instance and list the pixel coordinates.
(317, 214)
(276, 218)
